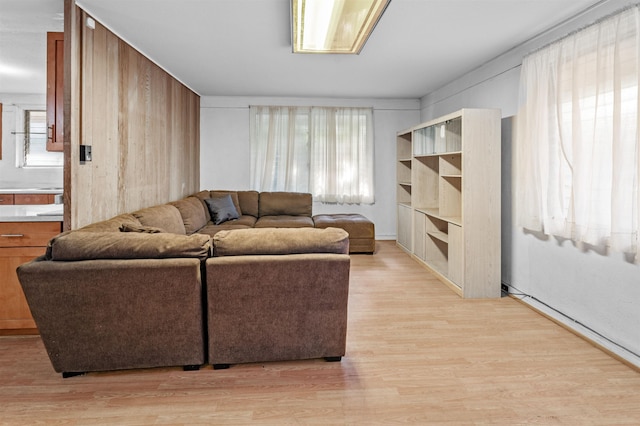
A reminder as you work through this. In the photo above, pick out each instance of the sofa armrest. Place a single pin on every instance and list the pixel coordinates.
(97, 315)
(291, 307)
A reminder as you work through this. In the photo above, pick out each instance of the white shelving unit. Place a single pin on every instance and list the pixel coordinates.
(403, 190)
(448, 195)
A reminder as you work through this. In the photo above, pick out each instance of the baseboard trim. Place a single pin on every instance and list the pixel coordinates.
(619, 354)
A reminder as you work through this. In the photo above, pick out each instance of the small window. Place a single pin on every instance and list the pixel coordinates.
(35, 142)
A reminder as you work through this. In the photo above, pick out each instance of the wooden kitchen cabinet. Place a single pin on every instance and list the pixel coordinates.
(20, 199)
(24, 199)
(55, 78)
(20, 242)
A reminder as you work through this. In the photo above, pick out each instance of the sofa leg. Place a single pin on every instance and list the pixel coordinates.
(220, 366)
(333, 358)
(67, 374)
(191, 368)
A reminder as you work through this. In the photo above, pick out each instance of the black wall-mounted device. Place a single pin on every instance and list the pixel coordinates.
(85, 153)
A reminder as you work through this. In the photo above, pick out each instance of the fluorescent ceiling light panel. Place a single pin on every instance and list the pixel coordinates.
(333, 26)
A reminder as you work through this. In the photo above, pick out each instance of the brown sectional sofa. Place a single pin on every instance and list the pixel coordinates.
(166, 286)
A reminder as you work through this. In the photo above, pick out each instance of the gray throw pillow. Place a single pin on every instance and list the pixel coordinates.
(221, 209)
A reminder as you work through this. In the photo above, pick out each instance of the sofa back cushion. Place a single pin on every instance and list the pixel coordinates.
(125, 227)
(112, 225)
(249, 202)
(164, 216)
(203, 195)
(261, 241)
(285, 203)
(70, 246)
(192, 212)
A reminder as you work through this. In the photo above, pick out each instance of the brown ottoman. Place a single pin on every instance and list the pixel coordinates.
(362, 235)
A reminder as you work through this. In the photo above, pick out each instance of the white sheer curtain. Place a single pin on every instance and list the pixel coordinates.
(279, 148)
(325, 151)
(342, 155)
(577, 155)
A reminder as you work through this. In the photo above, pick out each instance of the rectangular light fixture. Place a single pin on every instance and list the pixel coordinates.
(333, 26)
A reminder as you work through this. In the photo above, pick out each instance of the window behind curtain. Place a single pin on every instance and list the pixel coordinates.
(35, 142)
(578, 155)
(325, 151)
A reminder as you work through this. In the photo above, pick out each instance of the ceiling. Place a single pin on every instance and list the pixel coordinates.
(243, 47)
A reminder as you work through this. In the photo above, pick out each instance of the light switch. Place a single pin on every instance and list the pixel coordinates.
(85, 153)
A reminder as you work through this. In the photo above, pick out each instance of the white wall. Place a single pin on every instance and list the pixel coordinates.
(596, 294)
(11, 176)
(225, 150)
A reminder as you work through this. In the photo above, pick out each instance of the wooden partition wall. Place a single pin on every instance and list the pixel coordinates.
(143, 127)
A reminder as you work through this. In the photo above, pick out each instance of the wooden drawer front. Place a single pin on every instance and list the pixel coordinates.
(6, 199)
(27, 234)
(20, 199)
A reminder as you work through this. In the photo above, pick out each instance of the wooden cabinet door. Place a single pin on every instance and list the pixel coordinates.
(14, 311)
(55, 78)
(404, 227)
(20, 242)
(419, 235)
(456, 255)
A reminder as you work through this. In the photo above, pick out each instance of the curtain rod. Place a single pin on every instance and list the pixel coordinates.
(584, 27)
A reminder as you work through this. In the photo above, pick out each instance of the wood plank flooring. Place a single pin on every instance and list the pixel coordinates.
(416, 354)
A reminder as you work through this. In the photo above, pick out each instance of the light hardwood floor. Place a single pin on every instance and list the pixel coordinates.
(416, 354)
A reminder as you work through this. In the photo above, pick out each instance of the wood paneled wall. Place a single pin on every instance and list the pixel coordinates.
(141, 123)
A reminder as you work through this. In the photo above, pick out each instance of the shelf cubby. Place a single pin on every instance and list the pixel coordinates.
(451, 164)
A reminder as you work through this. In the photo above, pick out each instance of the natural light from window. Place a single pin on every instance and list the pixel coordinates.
(325, 151)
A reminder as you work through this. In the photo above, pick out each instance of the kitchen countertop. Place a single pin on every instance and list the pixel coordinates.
(31, 213)
(30, 190)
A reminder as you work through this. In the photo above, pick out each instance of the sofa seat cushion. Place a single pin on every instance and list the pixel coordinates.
(284, 221)
(356, 225)
(212, 229)
(269, 241)
(164, 216)
(127, 245)
(192, 213)
(285, 203)
(244, 222)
